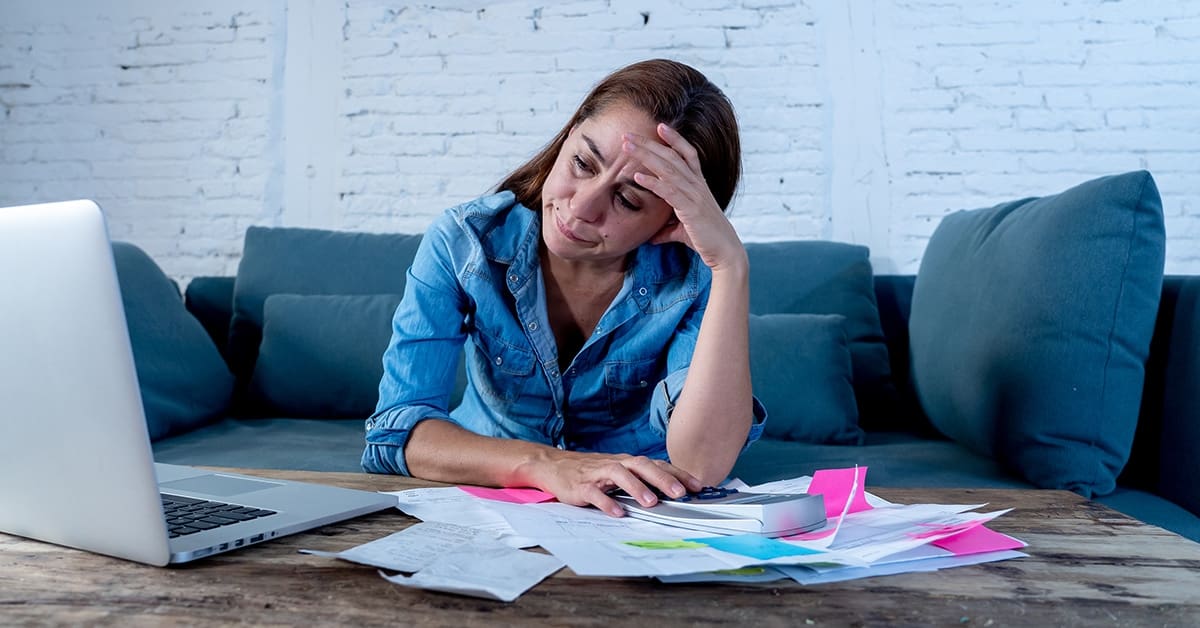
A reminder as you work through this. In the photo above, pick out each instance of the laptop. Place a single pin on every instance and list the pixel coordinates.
(76, 467)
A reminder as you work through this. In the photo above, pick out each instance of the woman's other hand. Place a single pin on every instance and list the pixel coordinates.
(676, 177)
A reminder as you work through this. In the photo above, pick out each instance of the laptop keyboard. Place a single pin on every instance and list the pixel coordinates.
(187, 515)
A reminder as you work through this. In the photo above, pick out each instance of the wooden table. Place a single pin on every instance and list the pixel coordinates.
(1089, 565)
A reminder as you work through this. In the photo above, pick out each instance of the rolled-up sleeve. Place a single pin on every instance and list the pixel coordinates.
(666, 395)
(420, 362)
(387, 434)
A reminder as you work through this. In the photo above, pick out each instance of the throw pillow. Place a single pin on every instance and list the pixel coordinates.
(184, 382)
(818, 277)
(1031, 324)
(801, 370)
(322, 355)
(308, 261)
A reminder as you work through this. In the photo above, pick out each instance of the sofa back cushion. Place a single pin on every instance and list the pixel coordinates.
(184, 382)
(1164, 459)
(801, 371)
(1031, 322)
(307, 262)
(322, 355)
(818, 277)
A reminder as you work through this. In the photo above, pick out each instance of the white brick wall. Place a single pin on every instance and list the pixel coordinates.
(862, 121)
(162, 114)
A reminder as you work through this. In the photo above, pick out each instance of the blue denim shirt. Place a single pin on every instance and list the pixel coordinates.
(476, 281)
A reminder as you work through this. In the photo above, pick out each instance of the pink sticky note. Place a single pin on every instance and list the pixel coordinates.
(836, 485)
(510, 495)
(978, 539)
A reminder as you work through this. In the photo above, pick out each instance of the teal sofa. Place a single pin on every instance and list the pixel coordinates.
(1039, 345)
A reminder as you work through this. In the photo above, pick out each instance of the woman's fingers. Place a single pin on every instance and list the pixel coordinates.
(672, 173)
(636, 475)
(663, 161)
(681, 146)
(664, 189)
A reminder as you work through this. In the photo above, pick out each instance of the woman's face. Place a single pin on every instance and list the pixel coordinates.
(591, 208)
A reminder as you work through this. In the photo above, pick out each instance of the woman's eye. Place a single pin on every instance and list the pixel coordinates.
(626, 203)
(580, 164)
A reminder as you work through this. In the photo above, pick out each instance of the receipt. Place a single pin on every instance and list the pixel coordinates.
(411, 549)
(452, 559)
(483, 568)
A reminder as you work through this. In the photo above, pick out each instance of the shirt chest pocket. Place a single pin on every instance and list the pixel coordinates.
(501, 369)
(630, 386)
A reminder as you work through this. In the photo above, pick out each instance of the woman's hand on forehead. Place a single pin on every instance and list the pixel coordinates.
(671, 170)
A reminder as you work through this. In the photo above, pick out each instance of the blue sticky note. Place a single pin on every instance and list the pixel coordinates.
(754, 546)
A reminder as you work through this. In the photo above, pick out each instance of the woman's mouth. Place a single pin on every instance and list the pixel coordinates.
(567, 233)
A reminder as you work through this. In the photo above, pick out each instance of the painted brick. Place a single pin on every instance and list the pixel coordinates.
(173, 116)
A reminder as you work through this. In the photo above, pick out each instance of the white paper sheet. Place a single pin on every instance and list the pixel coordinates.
(410, 549)
(873, 535)
(562, 521)
(482, 568)
(452, 505)
(592, 543)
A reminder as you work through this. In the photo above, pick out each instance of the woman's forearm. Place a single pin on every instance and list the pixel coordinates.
(712, 416)
(444, 452)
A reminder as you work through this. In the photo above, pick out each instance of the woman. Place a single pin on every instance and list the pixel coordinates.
(602, 298)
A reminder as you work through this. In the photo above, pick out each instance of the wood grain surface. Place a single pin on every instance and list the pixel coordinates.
(1088, 565)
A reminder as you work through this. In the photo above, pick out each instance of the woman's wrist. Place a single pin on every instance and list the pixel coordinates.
(534, 465)
(734, 266)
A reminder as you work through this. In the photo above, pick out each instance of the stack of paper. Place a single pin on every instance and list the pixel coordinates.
(863, 536)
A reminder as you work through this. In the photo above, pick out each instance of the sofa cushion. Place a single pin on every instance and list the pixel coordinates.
(817, 277)
(275, 443)
(1154, 510)
(893, 459)
(322, 355)
(1164, 459)
(1031, 323)
(1179, 463)
(308, 261)
(184, 382)
(801, 371)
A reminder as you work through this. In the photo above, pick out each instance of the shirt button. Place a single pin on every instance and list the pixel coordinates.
(572, 371)
(532, 325)
(499, 360)
(642, 291)
(643, 383)
(512, 279)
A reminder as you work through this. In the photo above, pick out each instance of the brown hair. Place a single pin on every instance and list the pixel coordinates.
(669, 92)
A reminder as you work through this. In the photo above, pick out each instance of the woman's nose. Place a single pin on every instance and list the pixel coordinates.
(587, 204)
